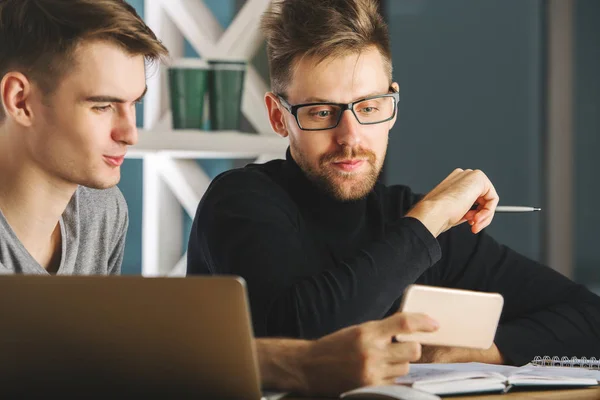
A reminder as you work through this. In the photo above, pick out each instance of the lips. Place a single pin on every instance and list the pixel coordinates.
(349, 164)
(114, 161)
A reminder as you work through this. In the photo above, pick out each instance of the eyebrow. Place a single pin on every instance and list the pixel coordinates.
(112, 99)
(320, 100)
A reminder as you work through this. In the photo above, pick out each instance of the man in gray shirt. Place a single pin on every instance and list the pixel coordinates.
(67, 117)
(92, 231)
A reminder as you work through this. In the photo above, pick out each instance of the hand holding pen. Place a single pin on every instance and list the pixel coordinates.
(450, 203)
(464, 196)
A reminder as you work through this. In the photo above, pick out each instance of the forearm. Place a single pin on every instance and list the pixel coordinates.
(568, 329)
(281, 364)
(544, 312)
(442, 354)
(428, 213)
(356, 290)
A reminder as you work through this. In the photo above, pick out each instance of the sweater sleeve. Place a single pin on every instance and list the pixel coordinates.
(245, 227)
(544, 312)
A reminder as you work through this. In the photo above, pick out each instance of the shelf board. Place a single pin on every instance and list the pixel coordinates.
(207, 144)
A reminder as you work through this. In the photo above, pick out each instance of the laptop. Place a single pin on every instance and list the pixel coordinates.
(127, 336)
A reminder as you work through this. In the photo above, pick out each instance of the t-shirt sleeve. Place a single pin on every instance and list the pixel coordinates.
(116, 258)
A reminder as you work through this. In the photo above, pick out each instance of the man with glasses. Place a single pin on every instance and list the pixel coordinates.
(323, 245)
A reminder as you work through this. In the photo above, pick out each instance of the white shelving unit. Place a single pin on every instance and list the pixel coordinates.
(172, 178)
(187, 144)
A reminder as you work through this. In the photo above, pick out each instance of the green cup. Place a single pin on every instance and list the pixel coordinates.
(225, 88)
(188, 79)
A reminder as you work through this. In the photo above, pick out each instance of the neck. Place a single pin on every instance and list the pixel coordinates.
(31, 200)
(339, 215)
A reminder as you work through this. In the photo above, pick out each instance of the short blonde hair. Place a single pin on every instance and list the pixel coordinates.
(322, 29)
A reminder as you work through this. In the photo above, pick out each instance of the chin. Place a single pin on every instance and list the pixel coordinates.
(351, 190)
(101, 183)
(352, 194)
(343, 186)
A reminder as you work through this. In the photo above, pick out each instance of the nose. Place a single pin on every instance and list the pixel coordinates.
(125, 129)
(348, 130)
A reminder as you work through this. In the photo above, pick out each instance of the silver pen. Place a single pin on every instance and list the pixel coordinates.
(516, 209)
(511, 209)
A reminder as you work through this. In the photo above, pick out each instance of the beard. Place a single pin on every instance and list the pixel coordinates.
(343, 186)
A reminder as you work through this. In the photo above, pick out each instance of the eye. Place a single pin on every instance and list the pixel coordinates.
(322, 113)
(102, 109)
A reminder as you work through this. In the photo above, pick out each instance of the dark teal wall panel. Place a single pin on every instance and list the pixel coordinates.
(471, 87)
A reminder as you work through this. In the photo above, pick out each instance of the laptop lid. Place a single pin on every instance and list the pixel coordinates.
(177, 337)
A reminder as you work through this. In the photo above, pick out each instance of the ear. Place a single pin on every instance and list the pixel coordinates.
(15, 92)
(393, 120)
(276, 116)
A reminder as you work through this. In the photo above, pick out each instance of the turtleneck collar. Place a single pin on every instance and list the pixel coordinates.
(314, 201)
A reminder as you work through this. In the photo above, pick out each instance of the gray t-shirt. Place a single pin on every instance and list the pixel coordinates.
(93, 229)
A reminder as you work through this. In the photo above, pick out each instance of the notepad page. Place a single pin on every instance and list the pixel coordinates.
(459, 371)
(533, 370)
(472, 367)
(476, 385)
(435, 373)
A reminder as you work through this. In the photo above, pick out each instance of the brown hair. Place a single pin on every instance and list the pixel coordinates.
(320, 29)
(39, 37)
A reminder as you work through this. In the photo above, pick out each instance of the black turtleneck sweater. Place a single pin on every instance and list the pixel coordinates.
(314, 265)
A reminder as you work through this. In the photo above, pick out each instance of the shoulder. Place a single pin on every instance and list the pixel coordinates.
(251, 182)
(102, 204)
(255, 191)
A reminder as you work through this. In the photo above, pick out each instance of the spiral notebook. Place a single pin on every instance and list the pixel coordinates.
(574, 362)
(464, 378)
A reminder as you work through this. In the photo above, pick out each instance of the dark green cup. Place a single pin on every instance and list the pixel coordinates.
(225, 88)
(187, 87)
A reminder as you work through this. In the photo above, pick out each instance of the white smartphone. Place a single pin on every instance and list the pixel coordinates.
(467, 318)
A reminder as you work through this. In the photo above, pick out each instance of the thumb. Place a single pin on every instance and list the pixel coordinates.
(406, 323)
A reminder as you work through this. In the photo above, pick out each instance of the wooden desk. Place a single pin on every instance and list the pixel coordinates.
(576, 394)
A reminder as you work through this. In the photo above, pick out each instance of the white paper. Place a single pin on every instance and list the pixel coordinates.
(571, 372)
(459, 371)
(444, 373)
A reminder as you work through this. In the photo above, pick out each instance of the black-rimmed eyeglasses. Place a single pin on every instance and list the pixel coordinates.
(323, 116)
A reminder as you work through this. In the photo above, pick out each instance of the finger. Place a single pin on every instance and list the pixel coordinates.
(482, 215)
(390, 380)
(391, 372)
(478, 227)
(488, 202)
(489, 197)
(470, 215)
(403, 352)
(405, 323)
(483, 219)
(485, 210)
(462, 221)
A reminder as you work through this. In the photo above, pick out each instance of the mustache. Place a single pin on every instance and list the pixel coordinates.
(347, 153)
